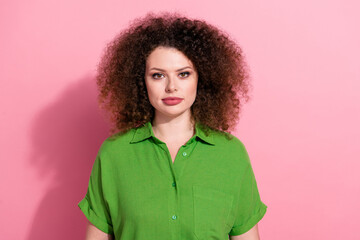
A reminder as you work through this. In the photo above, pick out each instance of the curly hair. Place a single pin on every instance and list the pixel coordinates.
(223, 79)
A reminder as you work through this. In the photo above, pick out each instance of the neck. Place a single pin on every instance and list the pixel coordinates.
(172, 129)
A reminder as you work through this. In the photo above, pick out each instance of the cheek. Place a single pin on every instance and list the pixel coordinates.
(151, 91)
(193, 89)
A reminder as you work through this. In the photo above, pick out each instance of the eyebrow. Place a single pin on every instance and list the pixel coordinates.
(164, 70)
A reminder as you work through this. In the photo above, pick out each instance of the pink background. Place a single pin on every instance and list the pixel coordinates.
(301, 128)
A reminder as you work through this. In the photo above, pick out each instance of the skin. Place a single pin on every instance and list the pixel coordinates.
(252, 234)
(93, 233)
(169, 73)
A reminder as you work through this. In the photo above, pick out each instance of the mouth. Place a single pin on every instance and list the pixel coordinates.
(172, 100)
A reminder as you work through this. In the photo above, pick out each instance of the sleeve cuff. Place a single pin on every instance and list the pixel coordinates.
(93, 218)
(240, 229)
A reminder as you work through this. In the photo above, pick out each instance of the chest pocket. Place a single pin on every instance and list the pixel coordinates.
(211, 213)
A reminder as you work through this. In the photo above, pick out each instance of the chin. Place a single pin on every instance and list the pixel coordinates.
(173, 114)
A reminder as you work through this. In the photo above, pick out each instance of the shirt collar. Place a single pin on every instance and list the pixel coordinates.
(145, 131)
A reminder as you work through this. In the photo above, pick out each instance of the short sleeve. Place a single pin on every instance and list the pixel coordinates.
(250, 208)
(93, 205)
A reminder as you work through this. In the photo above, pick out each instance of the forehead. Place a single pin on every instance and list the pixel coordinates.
(167, 57)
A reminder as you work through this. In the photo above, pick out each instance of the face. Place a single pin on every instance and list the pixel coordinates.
(171, 82)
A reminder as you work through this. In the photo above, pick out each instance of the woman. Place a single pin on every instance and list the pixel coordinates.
(173, 87)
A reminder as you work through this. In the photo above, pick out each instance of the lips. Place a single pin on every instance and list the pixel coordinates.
(172, 100)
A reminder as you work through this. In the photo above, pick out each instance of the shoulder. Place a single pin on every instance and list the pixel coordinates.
(231, 145)
(227, 140)
(117, 142)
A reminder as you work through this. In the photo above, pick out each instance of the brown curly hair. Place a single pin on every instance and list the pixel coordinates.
(223, 79)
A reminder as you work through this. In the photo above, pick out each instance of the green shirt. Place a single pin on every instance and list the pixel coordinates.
(136, 192)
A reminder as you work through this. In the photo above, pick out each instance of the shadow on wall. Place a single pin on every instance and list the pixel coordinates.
(66, 136)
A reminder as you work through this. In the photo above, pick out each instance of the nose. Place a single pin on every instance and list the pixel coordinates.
(170, 85)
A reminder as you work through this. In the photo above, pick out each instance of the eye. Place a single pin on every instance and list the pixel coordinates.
(156, 74)
(186, 74)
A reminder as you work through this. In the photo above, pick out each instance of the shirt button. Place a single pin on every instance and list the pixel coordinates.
(184, 154)
(173, 217)
(173, 184)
